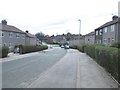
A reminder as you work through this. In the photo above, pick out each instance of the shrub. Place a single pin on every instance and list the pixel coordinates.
(4, 50)
(28, 49)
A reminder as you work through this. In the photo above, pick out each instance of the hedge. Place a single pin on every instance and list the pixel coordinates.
(28, 49)
(4, 50)
(107, 57)
(80, 48)
(116, 44)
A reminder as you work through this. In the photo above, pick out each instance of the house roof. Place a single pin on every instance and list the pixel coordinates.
(90, 34)
(109, 23)
(10, 28)
(30, 35)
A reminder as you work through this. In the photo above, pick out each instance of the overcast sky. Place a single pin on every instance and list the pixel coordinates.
(58, 16)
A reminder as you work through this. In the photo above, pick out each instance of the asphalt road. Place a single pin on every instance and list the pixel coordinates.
(15, 73)
(55, 68)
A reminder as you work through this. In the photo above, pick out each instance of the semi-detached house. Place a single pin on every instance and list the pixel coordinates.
(11, 36)
(109, 32)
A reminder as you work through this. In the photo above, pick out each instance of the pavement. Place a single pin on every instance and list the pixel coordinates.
(74, 70)
(11, 56)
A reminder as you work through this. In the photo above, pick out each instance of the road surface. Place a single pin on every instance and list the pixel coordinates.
(55, 68)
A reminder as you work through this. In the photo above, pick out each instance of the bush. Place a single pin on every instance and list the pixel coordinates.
(28, 49)
(4, 50)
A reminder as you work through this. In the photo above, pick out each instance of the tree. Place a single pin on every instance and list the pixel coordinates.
(68, 36)
(40, 36)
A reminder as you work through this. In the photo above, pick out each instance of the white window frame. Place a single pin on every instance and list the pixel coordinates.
(10, 34)
(10, 44)
(105, 41)
(105, 29)
(23, 36)
(100, 32)
(1, 34)
(17, 35)
(96, 33)
(112, 28)
(113, 39)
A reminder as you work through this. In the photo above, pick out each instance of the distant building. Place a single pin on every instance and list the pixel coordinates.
(11, 36)
(109, 32)
(76, 40)
(90, 38)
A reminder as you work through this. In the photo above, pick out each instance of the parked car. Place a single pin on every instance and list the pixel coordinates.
(66, 46)
(16, 50)
(62, 46)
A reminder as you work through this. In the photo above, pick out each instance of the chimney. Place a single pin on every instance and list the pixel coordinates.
(27, 31)
(4, 22)
(114, 17)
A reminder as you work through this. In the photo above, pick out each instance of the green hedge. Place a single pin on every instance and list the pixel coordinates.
(74, 47)
(107, 57)
(4, 50)
(116, 44)
(28, 49)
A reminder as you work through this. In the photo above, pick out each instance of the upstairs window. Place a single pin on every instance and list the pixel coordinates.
(17, 35)
(105, 29)
(1, 33)
(10, 34)
(112, 28)
(96, 33)
(100, 32)
(23, 36)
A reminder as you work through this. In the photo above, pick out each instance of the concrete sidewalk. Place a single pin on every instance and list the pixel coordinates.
(75, 70)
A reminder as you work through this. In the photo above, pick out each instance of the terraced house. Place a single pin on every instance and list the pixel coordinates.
(11, 36)
(109, 32)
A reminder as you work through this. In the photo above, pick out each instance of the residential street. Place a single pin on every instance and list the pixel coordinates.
(55, 68)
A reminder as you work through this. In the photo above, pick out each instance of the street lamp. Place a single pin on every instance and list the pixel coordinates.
(79, 28)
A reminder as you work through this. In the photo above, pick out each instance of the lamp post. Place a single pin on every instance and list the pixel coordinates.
(79, 27)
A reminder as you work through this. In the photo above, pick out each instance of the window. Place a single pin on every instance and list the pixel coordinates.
(100, 32)
(113, 39)
(108, 40)
(10, 34)
(23, 36)
(18, 35)
(10, 44)
(96, 32)
(105, 41)
(112, 28)
(1, 34)
(105, 29)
